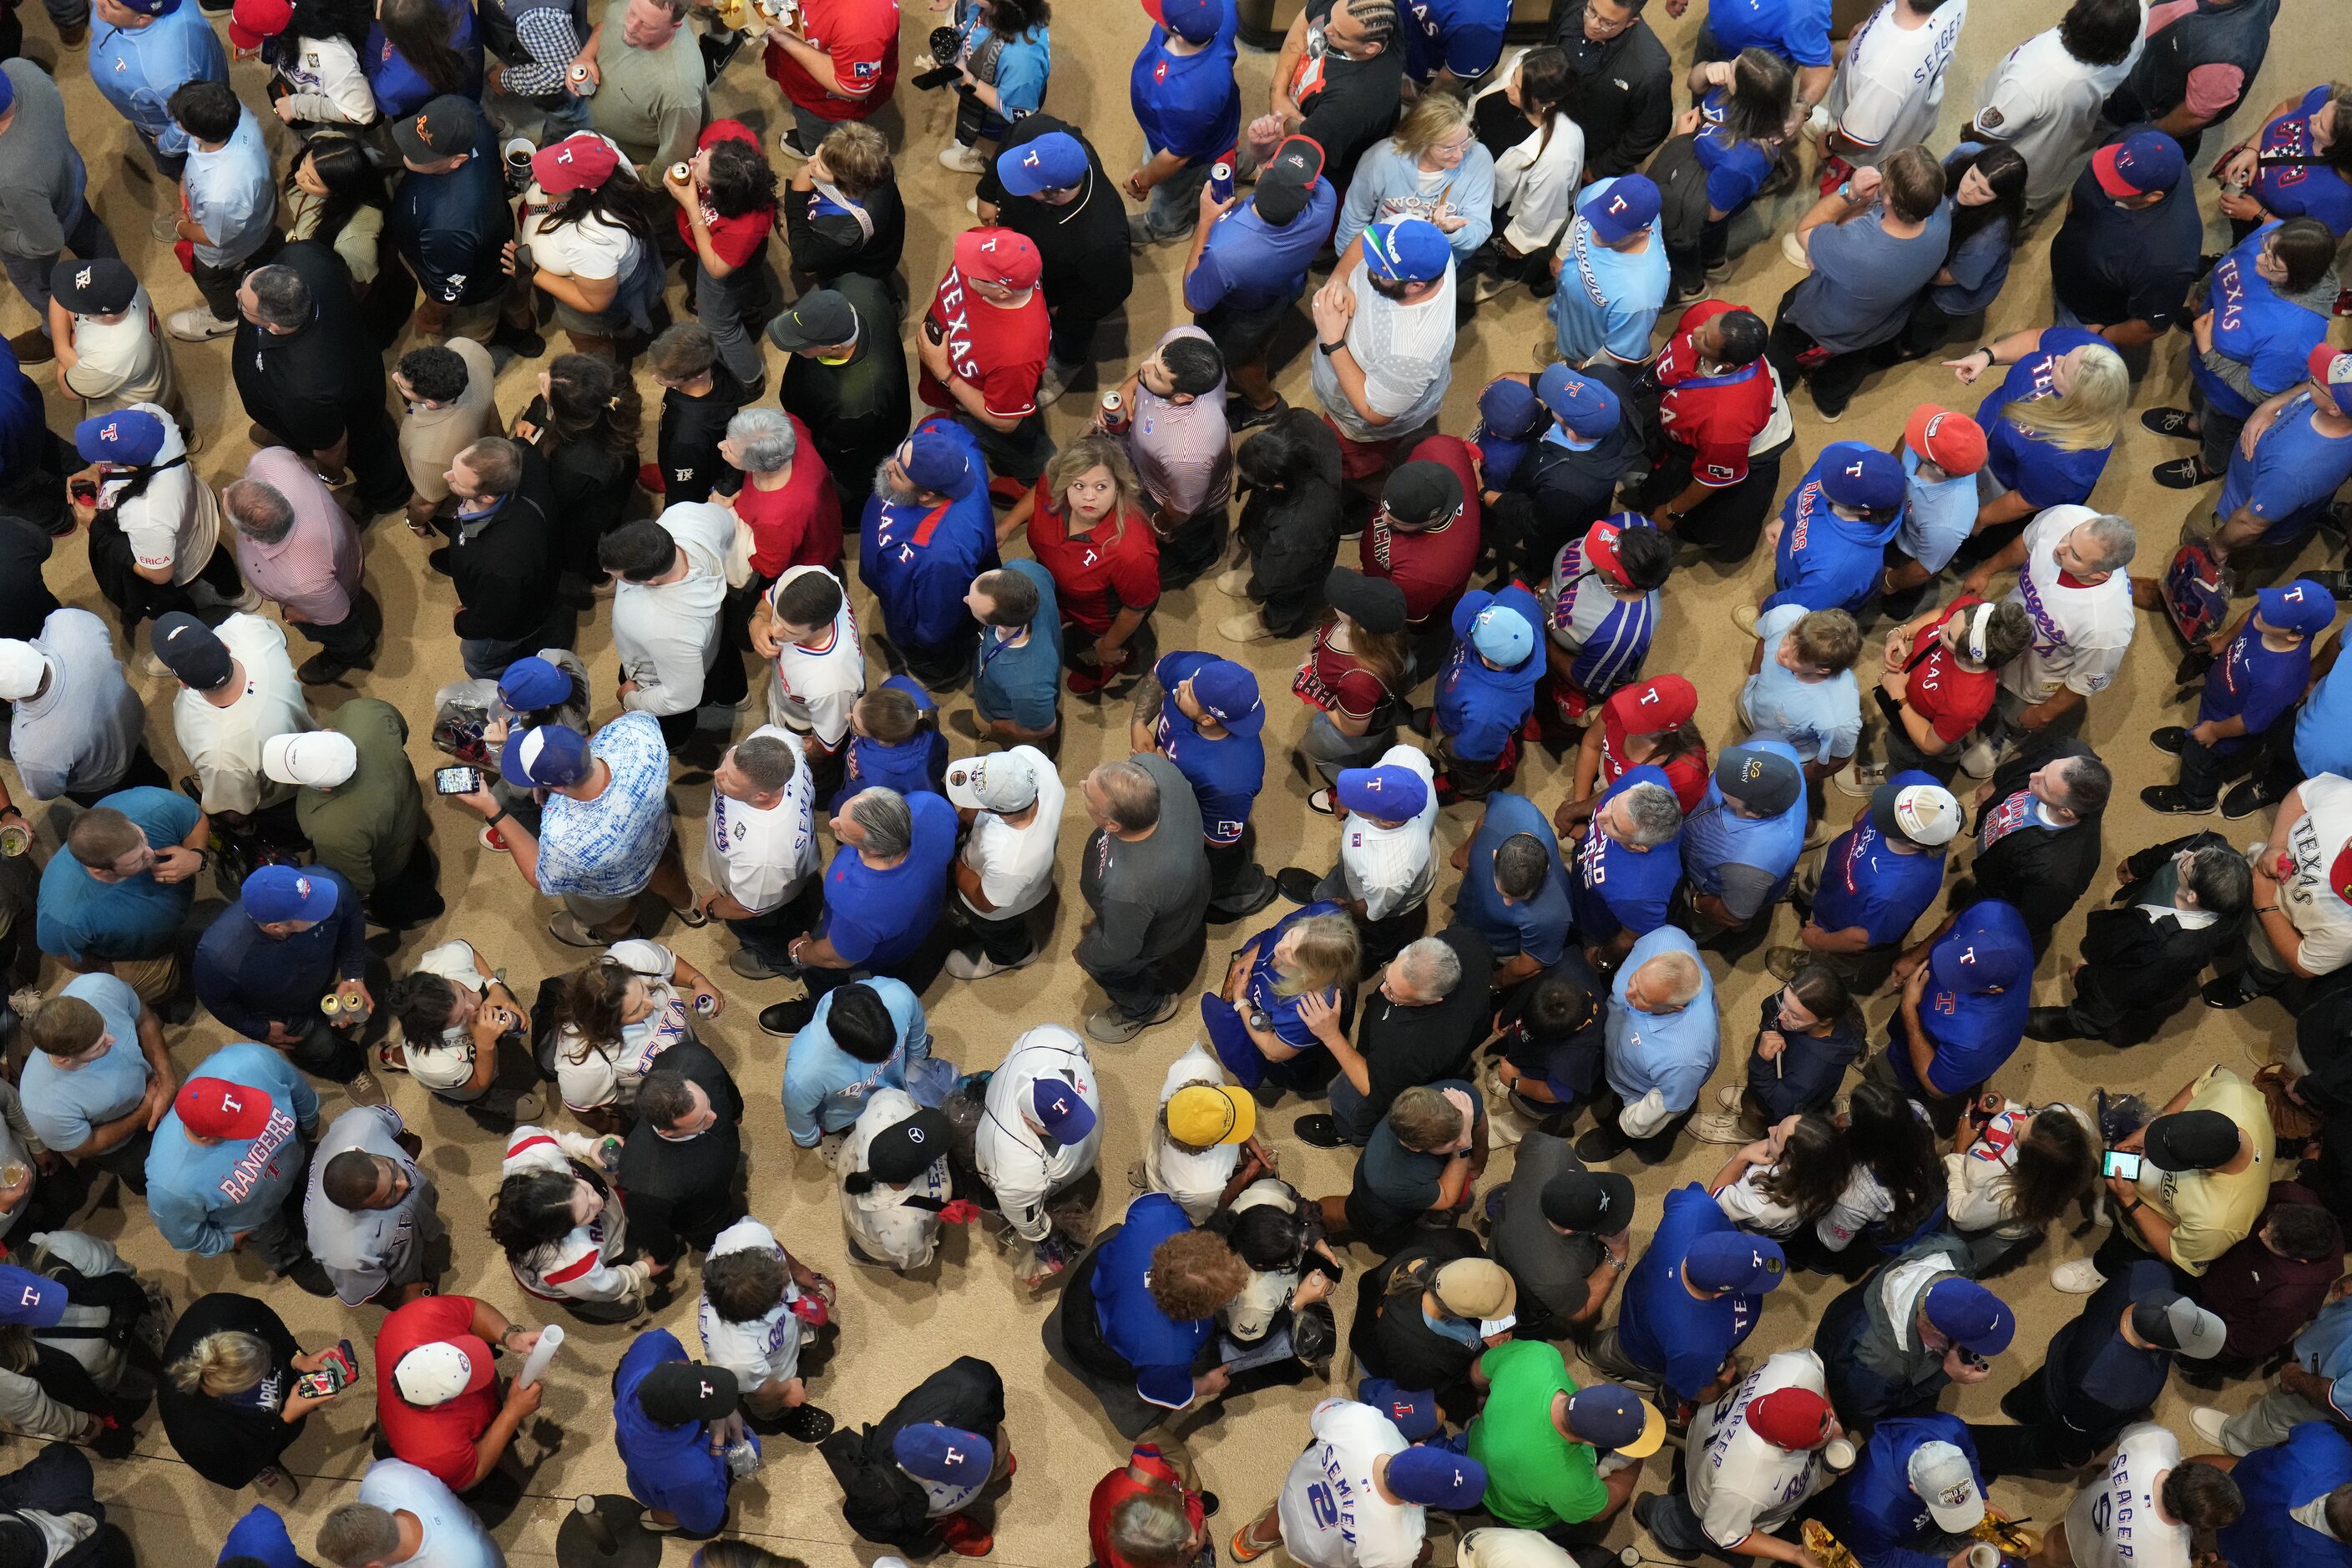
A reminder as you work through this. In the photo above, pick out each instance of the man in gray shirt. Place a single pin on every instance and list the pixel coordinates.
(1146, 877)
(1563, 1236)
(77, 725)
(42, 212)
(370, 1212)
(650, 98)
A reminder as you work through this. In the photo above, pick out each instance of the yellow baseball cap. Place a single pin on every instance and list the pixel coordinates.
(1201, 1116)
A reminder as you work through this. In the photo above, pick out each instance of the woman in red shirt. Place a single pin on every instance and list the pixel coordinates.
(1088, 530)
(1355, 677)
(1646, 722)
(1142, 1515)
(1943, 672)
(726, 210)
(788, 500)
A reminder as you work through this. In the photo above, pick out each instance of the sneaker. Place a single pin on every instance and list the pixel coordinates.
(2174, 421)
(2173, 801)
(962, 158)
(2183, 474)
(1251, 628)
(364, 1088)
(1786, 962)
(276, 1485)
(1113, 1026)
(491, 839)
(1053, 381)
(1731, 1096)
(1979, 760)
(1296, 884)
(1141, 236)
(2227, 993)
(1714, 1128)
(1251, 415)
(2079, 1277)
(197, 324)
(2245, 799)
(566, 929)
(2207, 1422)
(1861, 779)
(1320, 1129)
(785, 1019)
(1233, 581)
(322, 669)
(752, 966)
(977, 965)
(1136, 1177)
(1241, 1550)
(530, 1105)
(2169, 740)
(1244, 900)
(32, 347)
(1828, 413)
(806, 1423)
(789, 144)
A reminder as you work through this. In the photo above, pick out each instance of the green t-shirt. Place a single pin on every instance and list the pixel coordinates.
(1535, 1477)
(366, 827)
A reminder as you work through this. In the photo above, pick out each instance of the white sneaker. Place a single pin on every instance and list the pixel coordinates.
(1234, 581)
(963, 159)
(1717, 1130)
(277, 1486)
(1979, 760)
(1729, 1096)
(965, 966)
(197, 324)
(1054, 381)
(2079, 1277)
(1860, 779)
(2208, 1423)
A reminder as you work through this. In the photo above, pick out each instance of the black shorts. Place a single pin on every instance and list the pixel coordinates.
(1242, 334)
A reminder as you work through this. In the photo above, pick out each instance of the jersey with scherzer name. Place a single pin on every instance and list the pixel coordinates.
(1331, 1514)
(1000, 350)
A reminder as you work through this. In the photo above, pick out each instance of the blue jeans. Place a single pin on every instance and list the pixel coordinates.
(2203, 771)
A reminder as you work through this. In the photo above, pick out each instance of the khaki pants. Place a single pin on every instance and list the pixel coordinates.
(156, 980)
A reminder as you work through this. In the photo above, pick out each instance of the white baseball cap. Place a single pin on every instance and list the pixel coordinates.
(437, 1373)
(21, 669)
(1923, 814)
(1001, 781)
(320, 759)
(1947, 1482)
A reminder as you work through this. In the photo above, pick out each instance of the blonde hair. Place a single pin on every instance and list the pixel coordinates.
(2089, 416)
(1329, 953)
(1089, 451)
(1434, 115)
(219, 1364)
(857, 156)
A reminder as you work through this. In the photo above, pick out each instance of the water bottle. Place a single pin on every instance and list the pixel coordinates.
(1221, 180)
(743, 1460)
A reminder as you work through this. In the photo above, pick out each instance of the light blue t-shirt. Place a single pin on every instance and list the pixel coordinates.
(64, 1104)
(201, 1194)
(1936, 518)
(2322, 731)
(2295, 472)
(1672, 1053)
(1819, 719)
(826, 1087)
(231, 195)
(1607, 299)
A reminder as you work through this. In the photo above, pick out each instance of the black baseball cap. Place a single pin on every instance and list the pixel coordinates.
(443, 128)
(1287, 181)
(680, 1393)
(1590, 1202)
(820, 319)
(190, 650)
(98, 287)
(1374, 603)
(1422, 494)
(2191, 1141)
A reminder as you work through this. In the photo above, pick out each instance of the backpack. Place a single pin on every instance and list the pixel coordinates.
(2196, 592)
(546, 1026)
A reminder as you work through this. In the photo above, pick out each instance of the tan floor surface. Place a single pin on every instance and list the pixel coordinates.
(894, 1330)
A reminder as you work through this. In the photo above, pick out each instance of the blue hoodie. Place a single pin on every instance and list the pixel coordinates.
(919, 561)
(1874, 1512)
(2314, 1460)
(1478, 706)
(202, 1194)
(918, 762)
(670, 1468)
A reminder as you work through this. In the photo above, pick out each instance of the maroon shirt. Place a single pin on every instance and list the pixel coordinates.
(2265, 1298)
(1433, 566)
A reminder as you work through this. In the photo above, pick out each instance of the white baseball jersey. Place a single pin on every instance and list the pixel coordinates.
(1195, 1180)
(1890, 86)
(2112, 1521)
(882, 1221)
(815, 688)
(763, 1348)
(1017, 1164)
(1393, 869)
(579, 1267)
(609, 1076)
(2079, 633)
(2045, 103)
(363, 1251)
(1249, 1317)
(1332, 1516)
(1738, 1482)
(764, 858)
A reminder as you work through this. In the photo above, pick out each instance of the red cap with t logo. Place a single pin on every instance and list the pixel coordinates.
(216, 1108)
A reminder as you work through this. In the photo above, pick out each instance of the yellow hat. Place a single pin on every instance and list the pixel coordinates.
(1200, 1116)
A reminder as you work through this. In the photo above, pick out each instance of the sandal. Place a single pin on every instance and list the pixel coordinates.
(691, 917)
(2174, 421)
(1319, 802)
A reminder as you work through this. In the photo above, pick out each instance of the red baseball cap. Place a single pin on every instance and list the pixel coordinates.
(252, 21)
(217, 1107)
(1789, 1418)
(997, 255)
(1953, 442)
(2339, 873)
(575, 163)
(2332, 368)
(1666, 703)
(1601, 549)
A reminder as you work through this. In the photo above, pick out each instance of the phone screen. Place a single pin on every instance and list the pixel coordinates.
(456, 781)
(2119, 1164)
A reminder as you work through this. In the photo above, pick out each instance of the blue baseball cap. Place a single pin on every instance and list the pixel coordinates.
(274, 893)
(2142, 162)
(29, 1297)
(947, 1454)
(1409, 250)
(1861, 477)
(1985, 950)
(7, 93)
(548, 756)
(935, 461)
(1620, 208)
(1389, 794)
(1195, 21)
(1971, 1316)
(1061, 1109)
(1047, 163)
(1435, 1477)
(2302, 606)
(532, 683)
(1731, 1261)
(130, 437)
(1414, 1410)
(1228, 693)
(1502, 636)
(1588, 406)
(1613, 1416)
(1510, 408)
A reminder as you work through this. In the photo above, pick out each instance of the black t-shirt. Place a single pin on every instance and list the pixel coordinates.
(1403, 1346)
(1554, 1273)
(1086, 267)
(1349, 104)
(229, 1441)
(450, 227)
(25, 597)
(687, 448)
(1407, 1047)
(830, 244)
(683, 1190)
(2113, 264)
(857, 413)
(315, 386)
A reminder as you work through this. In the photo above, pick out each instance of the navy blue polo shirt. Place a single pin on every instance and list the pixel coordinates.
(1190, 104)
(1466, 37)
(1225, 774)
(450, 227)
(1661, 1326)
(1537, 927)
(2254, 683)
(1160, 1349)
(873, 919)
(2089, 1360)
(1616, 888)
(1866, 884)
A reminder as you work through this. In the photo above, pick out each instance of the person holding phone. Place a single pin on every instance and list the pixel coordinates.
(229, 1399)
(2204, 1175)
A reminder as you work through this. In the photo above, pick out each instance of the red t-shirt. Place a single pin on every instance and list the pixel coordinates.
(1338, 682)
(440, 1439)
(1119, 1485)
(1717, 416)
(862, 37)
(1000, 350)
(1094, 579)
(1433, 565)
(799, 522)
(1686, 775)
(1951, 698)
(738, 240)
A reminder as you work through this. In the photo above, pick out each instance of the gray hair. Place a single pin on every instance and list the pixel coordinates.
(1655, 814)
(2114, 539)
(1432, 966)
(259, 510)
(1132, 793)
(282, 300)
(357, 1534)
(1151, 1528)
(767, 761)
(764, 437)
(888, 822)
(1687, 977)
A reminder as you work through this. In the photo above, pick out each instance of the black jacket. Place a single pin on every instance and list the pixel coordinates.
(681, 1191)
(1292, 534)
(833, 244)
(1559, 492)
(1392, 1339)
(1087, 268)
(2041, 871)
(1622, 93)
(505, 572)
(2138, 968)
(857, 413)
(881, 1502)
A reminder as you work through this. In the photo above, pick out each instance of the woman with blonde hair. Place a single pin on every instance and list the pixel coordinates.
(228, 1399)
(2049, 428)
(844, 214)
(1285, 986)
(1434, 167)
(1087, 530)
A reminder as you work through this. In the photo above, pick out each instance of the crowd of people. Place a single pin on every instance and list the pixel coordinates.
(450, 187)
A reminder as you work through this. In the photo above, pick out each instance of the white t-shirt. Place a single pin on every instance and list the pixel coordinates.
(881, 1220)
(2324, 917)
(764, 1349)
(1331, 1515)
(590, 249)
(1016, 864)
(225, 743)
(759, 859)
(1393, 869)
(175, 522)
(1739, 1483)
(602, 1079)
(2045, 103)
(453, 1538)
(1407, 355)
(446, 1061)
(1975, 1197)
(1496, 1547)
(1890, 86)
(1195, 1180)
(121, 362)
(816, 688)
(2079, 633)
(2113, 1521)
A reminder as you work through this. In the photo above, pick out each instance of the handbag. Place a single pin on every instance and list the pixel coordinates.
(2293, 1121)
(2196, 592)
(1674, 169)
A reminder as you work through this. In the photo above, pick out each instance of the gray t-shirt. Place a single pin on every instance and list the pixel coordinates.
(40, 172)
(1407, 355)
(1864, 281)
(1555, 1269)
(81, 734)
(1149, 896)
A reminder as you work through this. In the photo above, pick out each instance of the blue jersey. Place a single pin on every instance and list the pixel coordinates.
(138, 70)
(1261, 991)
(202, 1194)
(1159, 1348)
(2295, 472)
(1607, 300)
(1795, 30)
(1225, 773)
(1735, 169)
(2254, 683)
(1938, 518)
(2322, 728)
(1537, 927)
(1661, 1326)
(668, 1467)
(2041, 473)
(918, 762)
(399, 87)
(2301, 183)
(1188, 104)
(1874, 1512)
(873, 919)
(2271, 337)
(1466, 37)
(1616, 886)
(1715, 835)
(1480, 708)
(1864, 883)
(1249, 264)
(2314, 1460)
(1825, 562)
(1973, 1032)
(919, 561)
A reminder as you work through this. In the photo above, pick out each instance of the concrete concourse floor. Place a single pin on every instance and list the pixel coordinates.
(894, 1330)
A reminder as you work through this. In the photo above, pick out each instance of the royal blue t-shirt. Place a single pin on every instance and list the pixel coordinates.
(1795, 30)
(1973, 1032)
(1188, 104)
(2039, 471)
(1262, 989)
(668, 1467)
(1466, 37)
(1735, 170)
(1875, 1513)
(1480, 708)
(2271, 337)
(919, 561)
(1159, 1348)
(2254, 683)
(2296, 472)
(1225, 774)
(1661, 1326)
(1249, 264)
(873, 919)
(1825, 562)
(1537, 927)
(1616, 888)
(2315, 1459)
(919, 763)
(1866, 884)
(2294, 188)
(400, 89)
